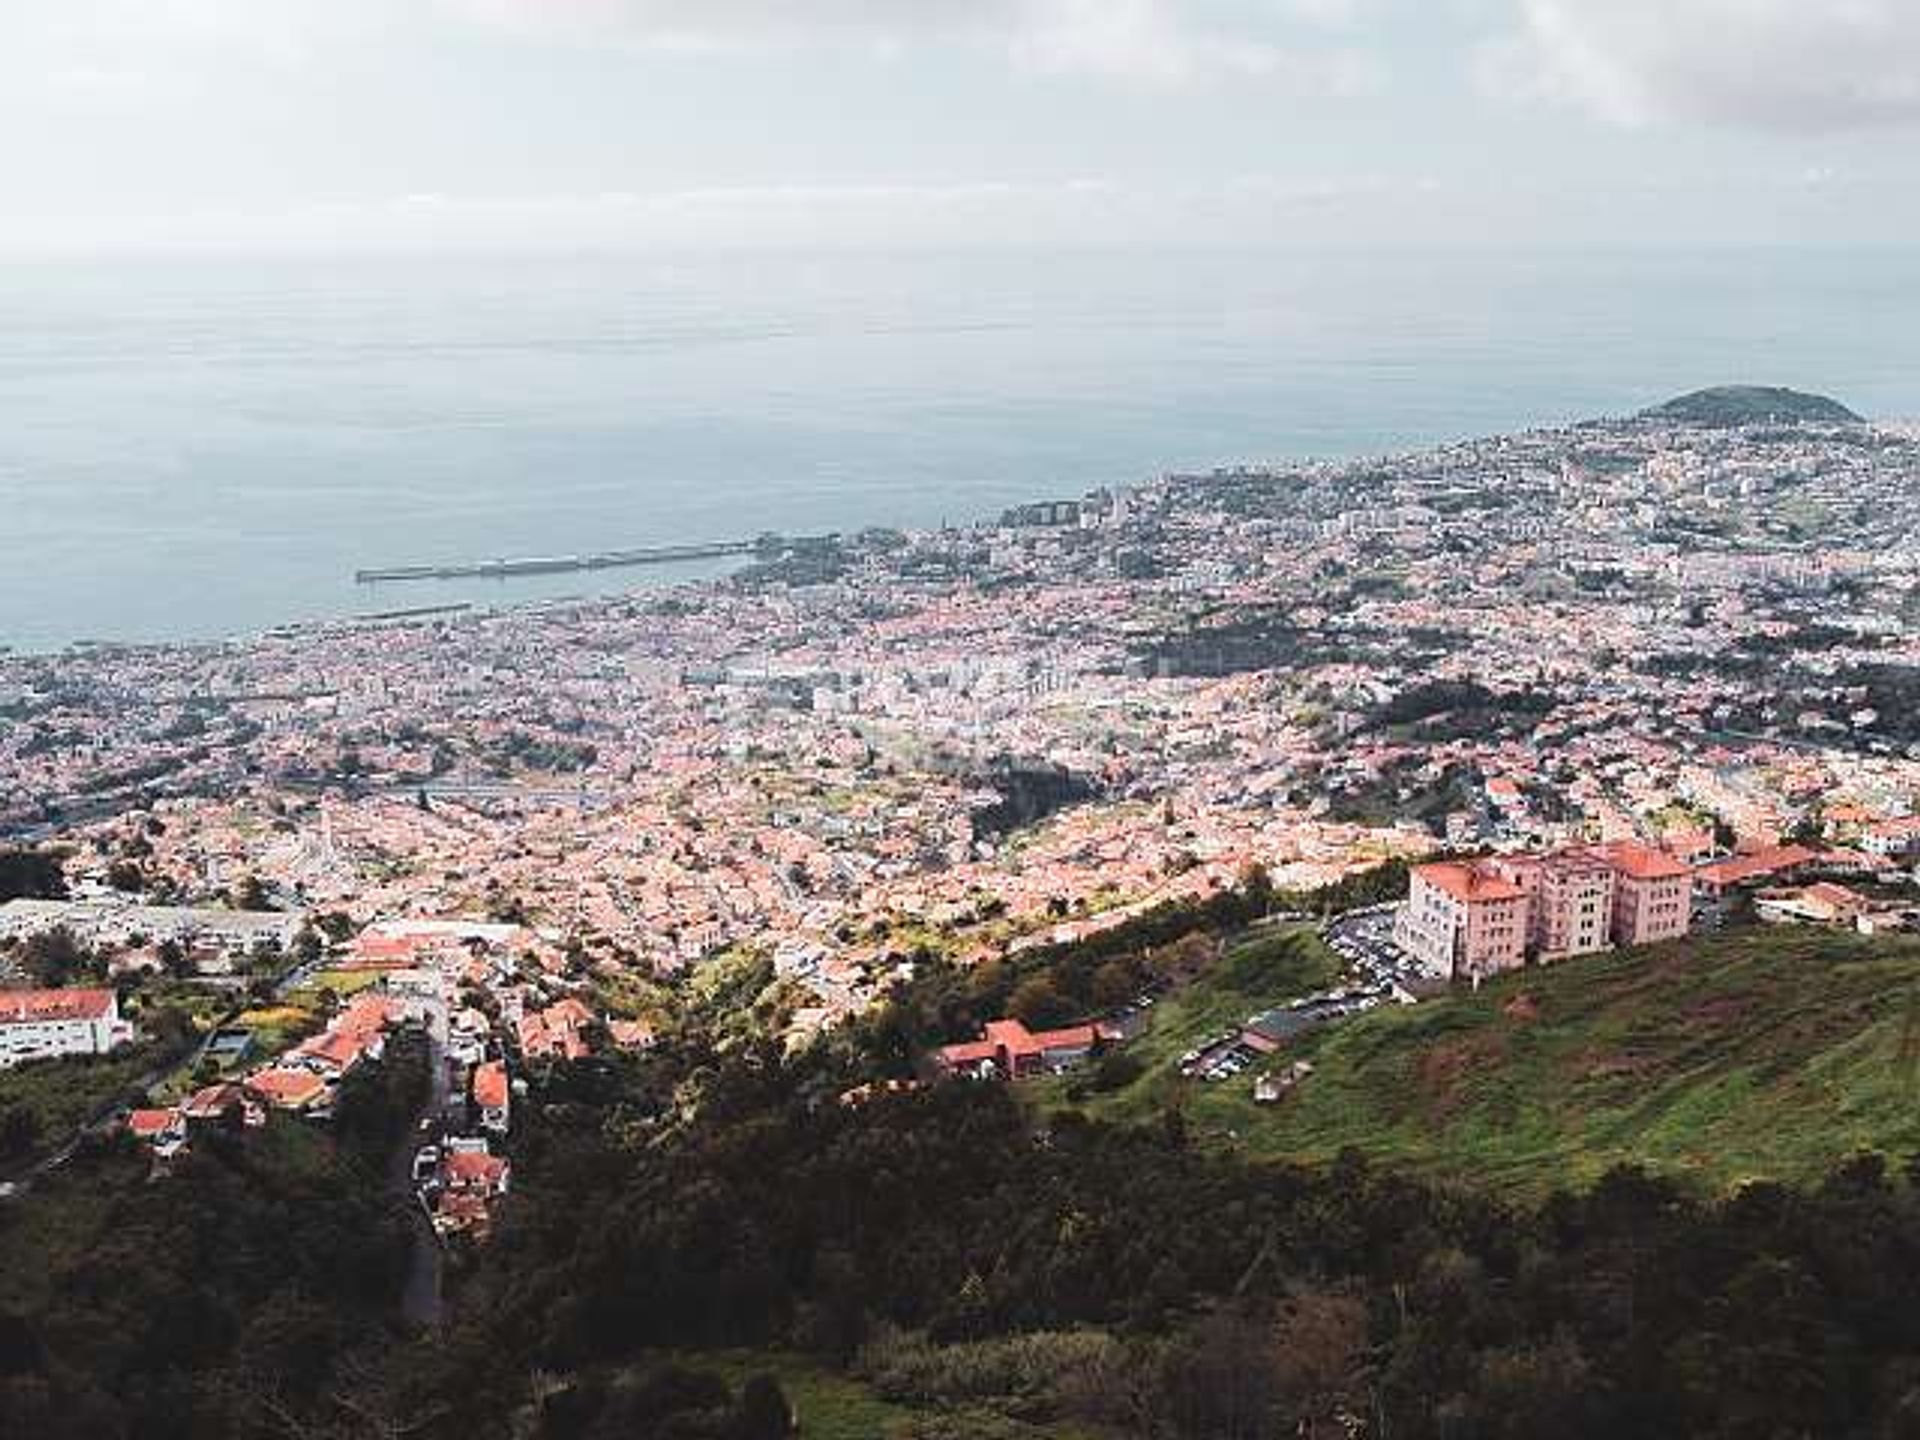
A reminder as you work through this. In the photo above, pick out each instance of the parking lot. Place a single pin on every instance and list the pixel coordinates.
(1364, 940)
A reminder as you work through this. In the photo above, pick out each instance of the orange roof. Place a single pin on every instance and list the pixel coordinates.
(149, 1123)
(490, 1085)
(1761, 862)
(25, 1007)
(366, 1015)
(1643, 862)
(471, 1168)
(1468, 882)
(631, 1034)
(336, 1047)
(289, 1089)
(212, 1101)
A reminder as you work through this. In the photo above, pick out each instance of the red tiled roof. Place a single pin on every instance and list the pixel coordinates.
(287, 1088)
(149, 1123)
(1643, 862)
(27, 1007)
(1468, 882)
(212, 1101)
(1761, 862)
(490, 1085)
(338, 1048)
(466, 1168)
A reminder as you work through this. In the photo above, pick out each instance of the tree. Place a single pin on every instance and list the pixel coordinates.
(250, 894)
(54, 958)
(174, 959)
(31, 875)
(1113, 985)
(764, 1413)
(1038, 1004)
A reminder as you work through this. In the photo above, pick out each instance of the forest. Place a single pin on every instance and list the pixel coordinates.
(997, 1277)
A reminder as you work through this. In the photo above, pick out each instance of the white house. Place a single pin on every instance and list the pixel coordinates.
(38, 1024)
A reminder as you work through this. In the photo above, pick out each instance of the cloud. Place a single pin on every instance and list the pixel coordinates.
(1161, 42)
(1789, 66)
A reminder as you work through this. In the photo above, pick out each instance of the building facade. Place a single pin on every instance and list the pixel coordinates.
(1652, 896)
(44, 1024)
(1468, 919)
(1570, 896)
(1464, 919)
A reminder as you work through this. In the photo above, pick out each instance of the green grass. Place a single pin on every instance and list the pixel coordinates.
(829, 1406)
(1752, 1054)
(347, 983)
(833, 1406)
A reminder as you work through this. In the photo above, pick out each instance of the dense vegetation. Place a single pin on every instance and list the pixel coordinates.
(703, 1238)
(1724, 406)
(31, 874)
(1124, 1280)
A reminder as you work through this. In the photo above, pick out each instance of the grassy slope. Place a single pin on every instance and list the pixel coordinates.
(1769, 1053)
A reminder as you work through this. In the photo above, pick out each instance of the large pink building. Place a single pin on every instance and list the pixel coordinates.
(1467, 919)
(1570, 896)
(1652, 896)
(1464, 919)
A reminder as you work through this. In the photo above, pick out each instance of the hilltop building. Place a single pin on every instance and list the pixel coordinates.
(1463, 918)
(1468, 919)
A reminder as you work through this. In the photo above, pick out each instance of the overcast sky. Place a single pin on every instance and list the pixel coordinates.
(435, 124)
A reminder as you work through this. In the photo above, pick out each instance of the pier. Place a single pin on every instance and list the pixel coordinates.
(563, 564)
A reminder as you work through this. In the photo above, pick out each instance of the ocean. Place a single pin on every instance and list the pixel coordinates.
(197, 449)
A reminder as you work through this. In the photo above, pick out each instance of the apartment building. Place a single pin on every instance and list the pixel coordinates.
(1464, 919)
(1652, 895)
(1570, 901)
(1467, 919)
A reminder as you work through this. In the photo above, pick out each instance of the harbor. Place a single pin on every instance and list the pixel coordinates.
(563, 564)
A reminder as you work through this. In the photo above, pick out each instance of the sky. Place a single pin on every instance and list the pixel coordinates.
(453, 125)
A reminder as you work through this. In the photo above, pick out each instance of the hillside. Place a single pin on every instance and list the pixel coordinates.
(1725, 406)
(1758, 1053)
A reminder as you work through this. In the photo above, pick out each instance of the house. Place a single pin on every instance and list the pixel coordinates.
(493, 1095)
(1763, 864)
(1820, 904)
(558, 1032)
(44, 1024)
(476, 1172)
(632, 1034)
(219, 1102)
(1008, 1050)
(284, 1087)
(164, 1130)
(336, 1052)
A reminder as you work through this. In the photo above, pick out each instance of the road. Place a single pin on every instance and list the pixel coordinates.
(422, 1301)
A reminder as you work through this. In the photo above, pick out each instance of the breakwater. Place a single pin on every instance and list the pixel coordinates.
(561, 564)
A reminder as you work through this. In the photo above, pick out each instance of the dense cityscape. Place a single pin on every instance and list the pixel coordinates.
(1000, 802)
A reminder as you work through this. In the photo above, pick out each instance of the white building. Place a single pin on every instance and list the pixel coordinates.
(120, 922)
(39, 1024)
